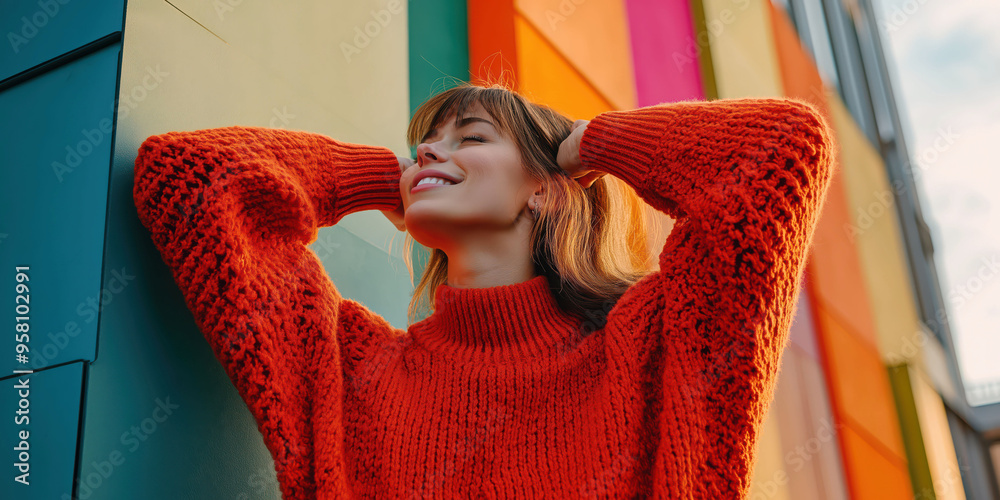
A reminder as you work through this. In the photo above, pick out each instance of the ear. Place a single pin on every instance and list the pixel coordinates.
(537, 199)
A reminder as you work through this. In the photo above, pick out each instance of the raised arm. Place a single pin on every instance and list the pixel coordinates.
(231, 211)
(745, 180)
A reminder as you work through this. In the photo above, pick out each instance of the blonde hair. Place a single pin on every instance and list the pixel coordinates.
(590, 243)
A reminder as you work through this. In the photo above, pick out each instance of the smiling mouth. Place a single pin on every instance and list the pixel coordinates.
(429, 182)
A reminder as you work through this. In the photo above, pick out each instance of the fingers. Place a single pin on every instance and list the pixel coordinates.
(405, 162)
(590, 178)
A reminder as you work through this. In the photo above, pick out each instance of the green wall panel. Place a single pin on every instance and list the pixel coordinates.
(439, 47)
(36, 31)
(909, 424)
(439, 60)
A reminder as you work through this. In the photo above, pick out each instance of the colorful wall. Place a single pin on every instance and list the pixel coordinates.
(858, 412)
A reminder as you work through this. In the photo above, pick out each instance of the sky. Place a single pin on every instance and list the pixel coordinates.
(946, 60)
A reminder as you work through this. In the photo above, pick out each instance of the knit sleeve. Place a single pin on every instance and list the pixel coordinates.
(231, 211)
(745, 180)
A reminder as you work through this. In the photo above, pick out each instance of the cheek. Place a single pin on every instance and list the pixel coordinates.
(499, 193)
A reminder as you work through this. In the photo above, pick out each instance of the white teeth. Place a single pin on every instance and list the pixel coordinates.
(434, 180)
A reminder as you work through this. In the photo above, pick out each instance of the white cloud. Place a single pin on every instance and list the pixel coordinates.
(947, 56)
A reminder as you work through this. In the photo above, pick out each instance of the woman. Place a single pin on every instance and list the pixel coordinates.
(553, 363)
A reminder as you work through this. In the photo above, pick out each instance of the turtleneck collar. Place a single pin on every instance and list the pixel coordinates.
(506, 322)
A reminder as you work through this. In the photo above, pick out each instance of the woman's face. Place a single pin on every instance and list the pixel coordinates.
(492, 187)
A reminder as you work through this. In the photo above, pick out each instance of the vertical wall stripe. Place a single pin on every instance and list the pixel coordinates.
(743, 56)
(665, 52)
(438, 37)
(492, 47)
(703, 49)
(906, 407)
(438, 44)
(946, 475)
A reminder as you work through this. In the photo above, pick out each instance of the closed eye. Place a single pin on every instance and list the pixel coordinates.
(473, 137)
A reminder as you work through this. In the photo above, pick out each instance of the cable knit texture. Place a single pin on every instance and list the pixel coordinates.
(499, 393)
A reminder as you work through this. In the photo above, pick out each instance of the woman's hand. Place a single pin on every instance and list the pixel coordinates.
(396, 216)
(569, 156)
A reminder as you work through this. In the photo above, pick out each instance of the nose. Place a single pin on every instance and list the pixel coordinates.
(426, 154)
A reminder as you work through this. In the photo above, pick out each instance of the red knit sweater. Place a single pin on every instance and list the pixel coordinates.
(498, 394)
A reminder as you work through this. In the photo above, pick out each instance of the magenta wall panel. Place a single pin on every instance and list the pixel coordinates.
(664, 51)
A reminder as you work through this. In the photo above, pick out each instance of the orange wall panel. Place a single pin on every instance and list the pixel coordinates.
(548, 78)
(492, 50)
(861, 390)
(798, 72)
(592, 37)
(873, 477)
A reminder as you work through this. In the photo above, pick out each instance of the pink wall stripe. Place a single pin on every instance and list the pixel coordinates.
(664, 51)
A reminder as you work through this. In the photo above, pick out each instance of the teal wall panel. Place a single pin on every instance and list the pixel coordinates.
(53, 194)
(439, 59)
(366, 273)
(49, 401)
(36, 31)
(439, 47)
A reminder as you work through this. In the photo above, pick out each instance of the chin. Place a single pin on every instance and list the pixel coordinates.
(426, 227)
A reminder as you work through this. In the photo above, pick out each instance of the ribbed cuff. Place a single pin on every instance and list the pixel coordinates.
(369, 179)
(621, 143)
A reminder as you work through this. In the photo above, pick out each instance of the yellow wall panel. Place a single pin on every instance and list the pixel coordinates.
(873, 226)
(742, 44)
(606, 60)
(770, 479)
(937, 441)
(350, 59)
